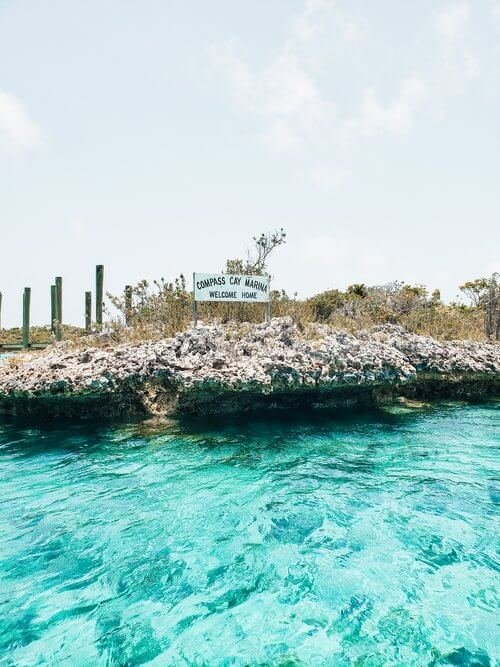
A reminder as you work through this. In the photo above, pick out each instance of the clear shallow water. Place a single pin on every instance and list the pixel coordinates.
(364, 541)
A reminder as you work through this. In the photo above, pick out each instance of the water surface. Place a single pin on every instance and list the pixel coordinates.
(362, 541)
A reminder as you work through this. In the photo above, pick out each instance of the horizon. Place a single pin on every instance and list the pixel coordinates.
(133, 136)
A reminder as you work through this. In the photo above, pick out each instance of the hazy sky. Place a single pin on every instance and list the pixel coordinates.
(158, 136)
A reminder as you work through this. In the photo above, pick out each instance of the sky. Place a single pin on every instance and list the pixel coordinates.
(157, 137)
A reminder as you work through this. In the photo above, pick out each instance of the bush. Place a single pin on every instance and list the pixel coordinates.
(161, 309)
(157, 310)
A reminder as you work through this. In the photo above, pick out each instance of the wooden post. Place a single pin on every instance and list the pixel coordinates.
(26, 317)
(56, 299)
(59, 299)
(268, 311)
(195, 306)
(53, 308)
(88, 312)
(99, 294)
(128, 304)
(268, 303)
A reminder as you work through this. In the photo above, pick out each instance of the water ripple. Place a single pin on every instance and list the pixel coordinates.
(368, 541)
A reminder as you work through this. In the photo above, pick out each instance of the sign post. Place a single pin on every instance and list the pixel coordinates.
(195, 306)
(231, 287)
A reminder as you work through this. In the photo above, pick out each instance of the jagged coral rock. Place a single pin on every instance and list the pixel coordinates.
(245, 359)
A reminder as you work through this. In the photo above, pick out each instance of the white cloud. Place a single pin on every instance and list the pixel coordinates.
(295, 93)
(283, 93)
(236, 70)
(395, 117)
(281, 136)
(451, 21)
(280, 89)
(17, 130)
(323, 17)
(458, 64)
(306, 27)
(286, 91)
(495, 12)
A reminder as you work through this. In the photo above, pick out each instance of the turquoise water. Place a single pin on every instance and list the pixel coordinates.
(363, 541)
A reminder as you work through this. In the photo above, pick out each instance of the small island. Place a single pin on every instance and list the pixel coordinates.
(220, 369)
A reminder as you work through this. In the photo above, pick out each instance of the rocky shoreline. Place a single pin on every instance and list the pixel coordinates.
(221, 369)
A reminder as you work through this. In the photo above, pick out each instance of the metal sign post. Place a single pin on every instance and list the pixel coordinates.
(195, 305)
(268, 311)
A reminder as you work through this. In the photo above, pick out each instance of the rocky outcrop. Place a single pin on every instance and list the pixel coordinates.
(220, 369)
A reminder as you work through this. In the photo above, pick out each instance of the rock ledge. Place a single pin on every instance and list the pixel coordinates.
(229, 368)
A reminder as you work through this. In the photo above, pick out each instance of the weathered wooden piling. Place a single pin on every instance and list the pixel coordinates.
(99, 294)
(128, 304)
(59, 299)
(53, 308)
(88, 312)
(26, 317)
(56, 307)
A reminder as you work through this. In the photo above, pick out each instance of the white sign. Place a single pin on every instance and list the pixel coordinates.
(231, 287)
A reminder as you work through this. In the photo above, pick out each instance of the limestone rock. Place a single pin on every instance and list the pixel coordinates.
(274, 357)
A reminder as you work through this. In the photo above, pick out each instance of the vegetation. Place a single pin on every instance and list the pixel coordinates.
(162, 308)
(156, 310)
(165, 308)
(39, 335)
(398, 303)
(257, 258)
(484, 293)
